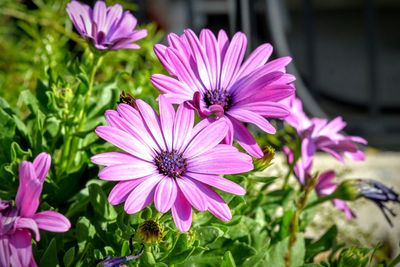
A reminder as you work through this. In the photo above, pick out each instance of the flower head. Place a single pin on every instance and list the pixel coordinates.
(210, 73)
(321, 134)
(168, 161)
(372, 190)
(17, 224)
(150, 232)
(108, 28)
(324, 186)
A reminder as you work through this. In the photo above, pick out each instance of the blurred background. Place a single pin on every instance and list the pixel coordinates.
(347, 53)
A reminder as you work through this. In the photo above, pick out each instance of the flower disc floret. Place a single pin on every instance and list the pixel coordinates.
(218, 97)
(171, 164)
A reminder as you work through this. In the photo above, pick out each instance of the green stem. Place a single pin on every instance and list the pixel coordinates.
(294, 224)
(97, 60)
(319, 201)
(286, 179)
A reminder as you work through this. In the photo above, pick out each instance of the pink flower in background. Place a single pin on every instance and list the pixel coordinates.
(325, 186)
(106, 27)
(209, 71)
(321, 134)
(17, 224)
(168, 161)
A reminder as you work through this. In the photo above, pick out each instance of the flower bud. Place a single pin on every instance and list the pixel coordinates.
(127, 99)
(347, 190)
(264, 162)
(150, 232)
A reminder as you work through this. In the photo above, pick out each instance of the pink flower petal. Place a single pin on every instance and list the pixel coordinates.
(133, 126)
(210, 45)
(161, 53)
(167, 117)
(114, 15)
(182, 212)
(21, 248)
(80, 15)
(4, 251)
(208, 138)
(41, 165)
(223, 43)
(29, 190)
(165, 194)
(192, 193)
(26, 174)
(218, 182)
(135, 120)
(113, 158)
(216, 205)
(200, 56)
(168, 85)
(121, 190)
(152, 122)
(220, 160)
(52, 221)
(245, 139)
(124, 141)
(254, 83)
(271, 93)
(256, 59)
(266, 109)
(233, 59)
(99, 15)
(29, 224)
(252, 117)
(123, 172)
(183, 71)
(142, 195)
(183, 124)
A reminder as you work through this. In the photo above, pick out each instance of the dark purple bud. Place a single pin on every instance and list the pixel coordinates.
(127, 99)
(119, 261)
(379, 194)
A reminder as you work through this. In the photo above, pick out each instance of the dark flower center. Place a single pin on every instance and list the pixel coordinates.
(218, 97)
(150, 232)
(171, 164)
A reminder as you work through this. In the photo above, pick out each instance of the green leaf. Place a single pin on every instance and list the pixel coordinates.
(17, 153)
(278, 252)
(228, 260)
(49, 258)
(69, 256)
(324, 243)
(30, 100)
(85, 231)
(209, 234)
(99, 201)
(241, 251)
(7, 125)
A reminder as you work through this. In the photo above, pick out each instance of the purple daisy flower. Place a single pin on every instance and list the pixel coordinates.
(168, 161)
(324, 187)
(108, 28)
(321, 134)
(209, 71)
(18, 223)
